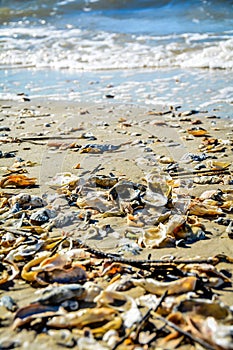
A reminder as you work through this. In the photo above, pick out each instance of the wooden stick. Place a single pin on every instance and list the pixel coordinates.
(186, 334)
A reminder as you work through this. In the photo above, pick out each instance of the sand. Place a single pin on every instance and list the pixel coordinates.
(43, 131)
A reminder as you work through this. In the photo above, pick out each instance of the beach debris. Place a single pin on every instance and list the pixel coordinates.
(17, 181)
(63, 179)
(197, 131)
(8, 303)
(98, 148)
(25, 201)
(85, 250)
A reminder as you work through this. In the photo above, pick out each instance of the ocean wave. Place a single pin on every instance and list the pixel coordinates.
(76, 49)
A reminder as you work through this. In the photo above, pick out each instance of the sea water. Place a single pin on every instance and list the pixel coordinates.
(137, 51)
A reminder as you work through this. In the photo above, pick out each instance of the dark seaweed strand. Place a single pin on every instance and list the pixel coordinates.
(147, 262)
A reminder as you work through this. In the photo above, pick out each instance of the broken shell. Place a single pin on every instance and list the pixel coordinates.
(201, 209)
(91, 291)
(42, 216)
(27, 313)
(63, 179)
(123, 303)
(56, 295)
(197, 131)
(73, 274)
(17, 181)
(8, 303)
(157, 191)
(25, 200)
(183, 285)
(103, 181)
(203, 180)
(82, 318)
(156, 237)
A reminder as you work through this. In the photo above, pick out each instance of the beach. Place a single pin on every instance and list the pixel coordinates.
(45, 138)
(116, 136)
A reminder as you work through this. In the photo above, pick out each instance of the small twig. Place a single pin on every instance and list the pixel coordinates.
(55, 248)
(148, 313)
(207, 172)
(186, 334)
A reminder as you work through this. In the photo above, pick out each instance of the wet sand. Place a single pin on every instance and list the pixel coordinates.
(43, 132)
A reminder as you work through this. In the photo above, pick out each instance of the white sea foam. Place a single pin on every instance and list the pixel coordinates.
(76, 49)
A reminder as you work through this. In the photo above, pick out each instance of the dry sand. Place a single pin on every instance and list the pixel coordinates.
(42, 131)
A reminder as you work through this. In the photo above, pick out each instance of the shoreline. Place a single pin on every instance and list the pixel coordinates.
(51, 137)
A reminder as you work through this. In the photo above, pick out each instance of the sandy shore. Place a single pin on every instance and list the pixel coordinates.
(47, 136)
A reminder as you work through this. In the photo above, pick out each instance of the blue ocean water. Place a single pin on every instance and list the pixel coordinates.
(141, 50)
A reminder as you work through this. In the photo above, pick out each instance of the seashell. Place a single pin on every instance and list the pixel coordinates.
(8, 240)
(8, 303)
(183, 285)
(82, 318)
(134, 221)
(63, 179)
(58, 294)
(202, 209)
(124, 304)
(156, 237)
(204, 180)
(157, 191)
(229, 230)
(203, 307)
(18, 180)
(197, 131)
(221, 335)
(212, 276)
(28, 313)
(9, 270)
(25, 251)
(28, 274)
(166, 160)
(208, 194)
(103, 181)
(126, 190)
(175, 224)
(95, 148)
(88, 342)
(91, 291)
(73, 274)
(25, 200)
(216, 165)
(42, 216)
(95, 201)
